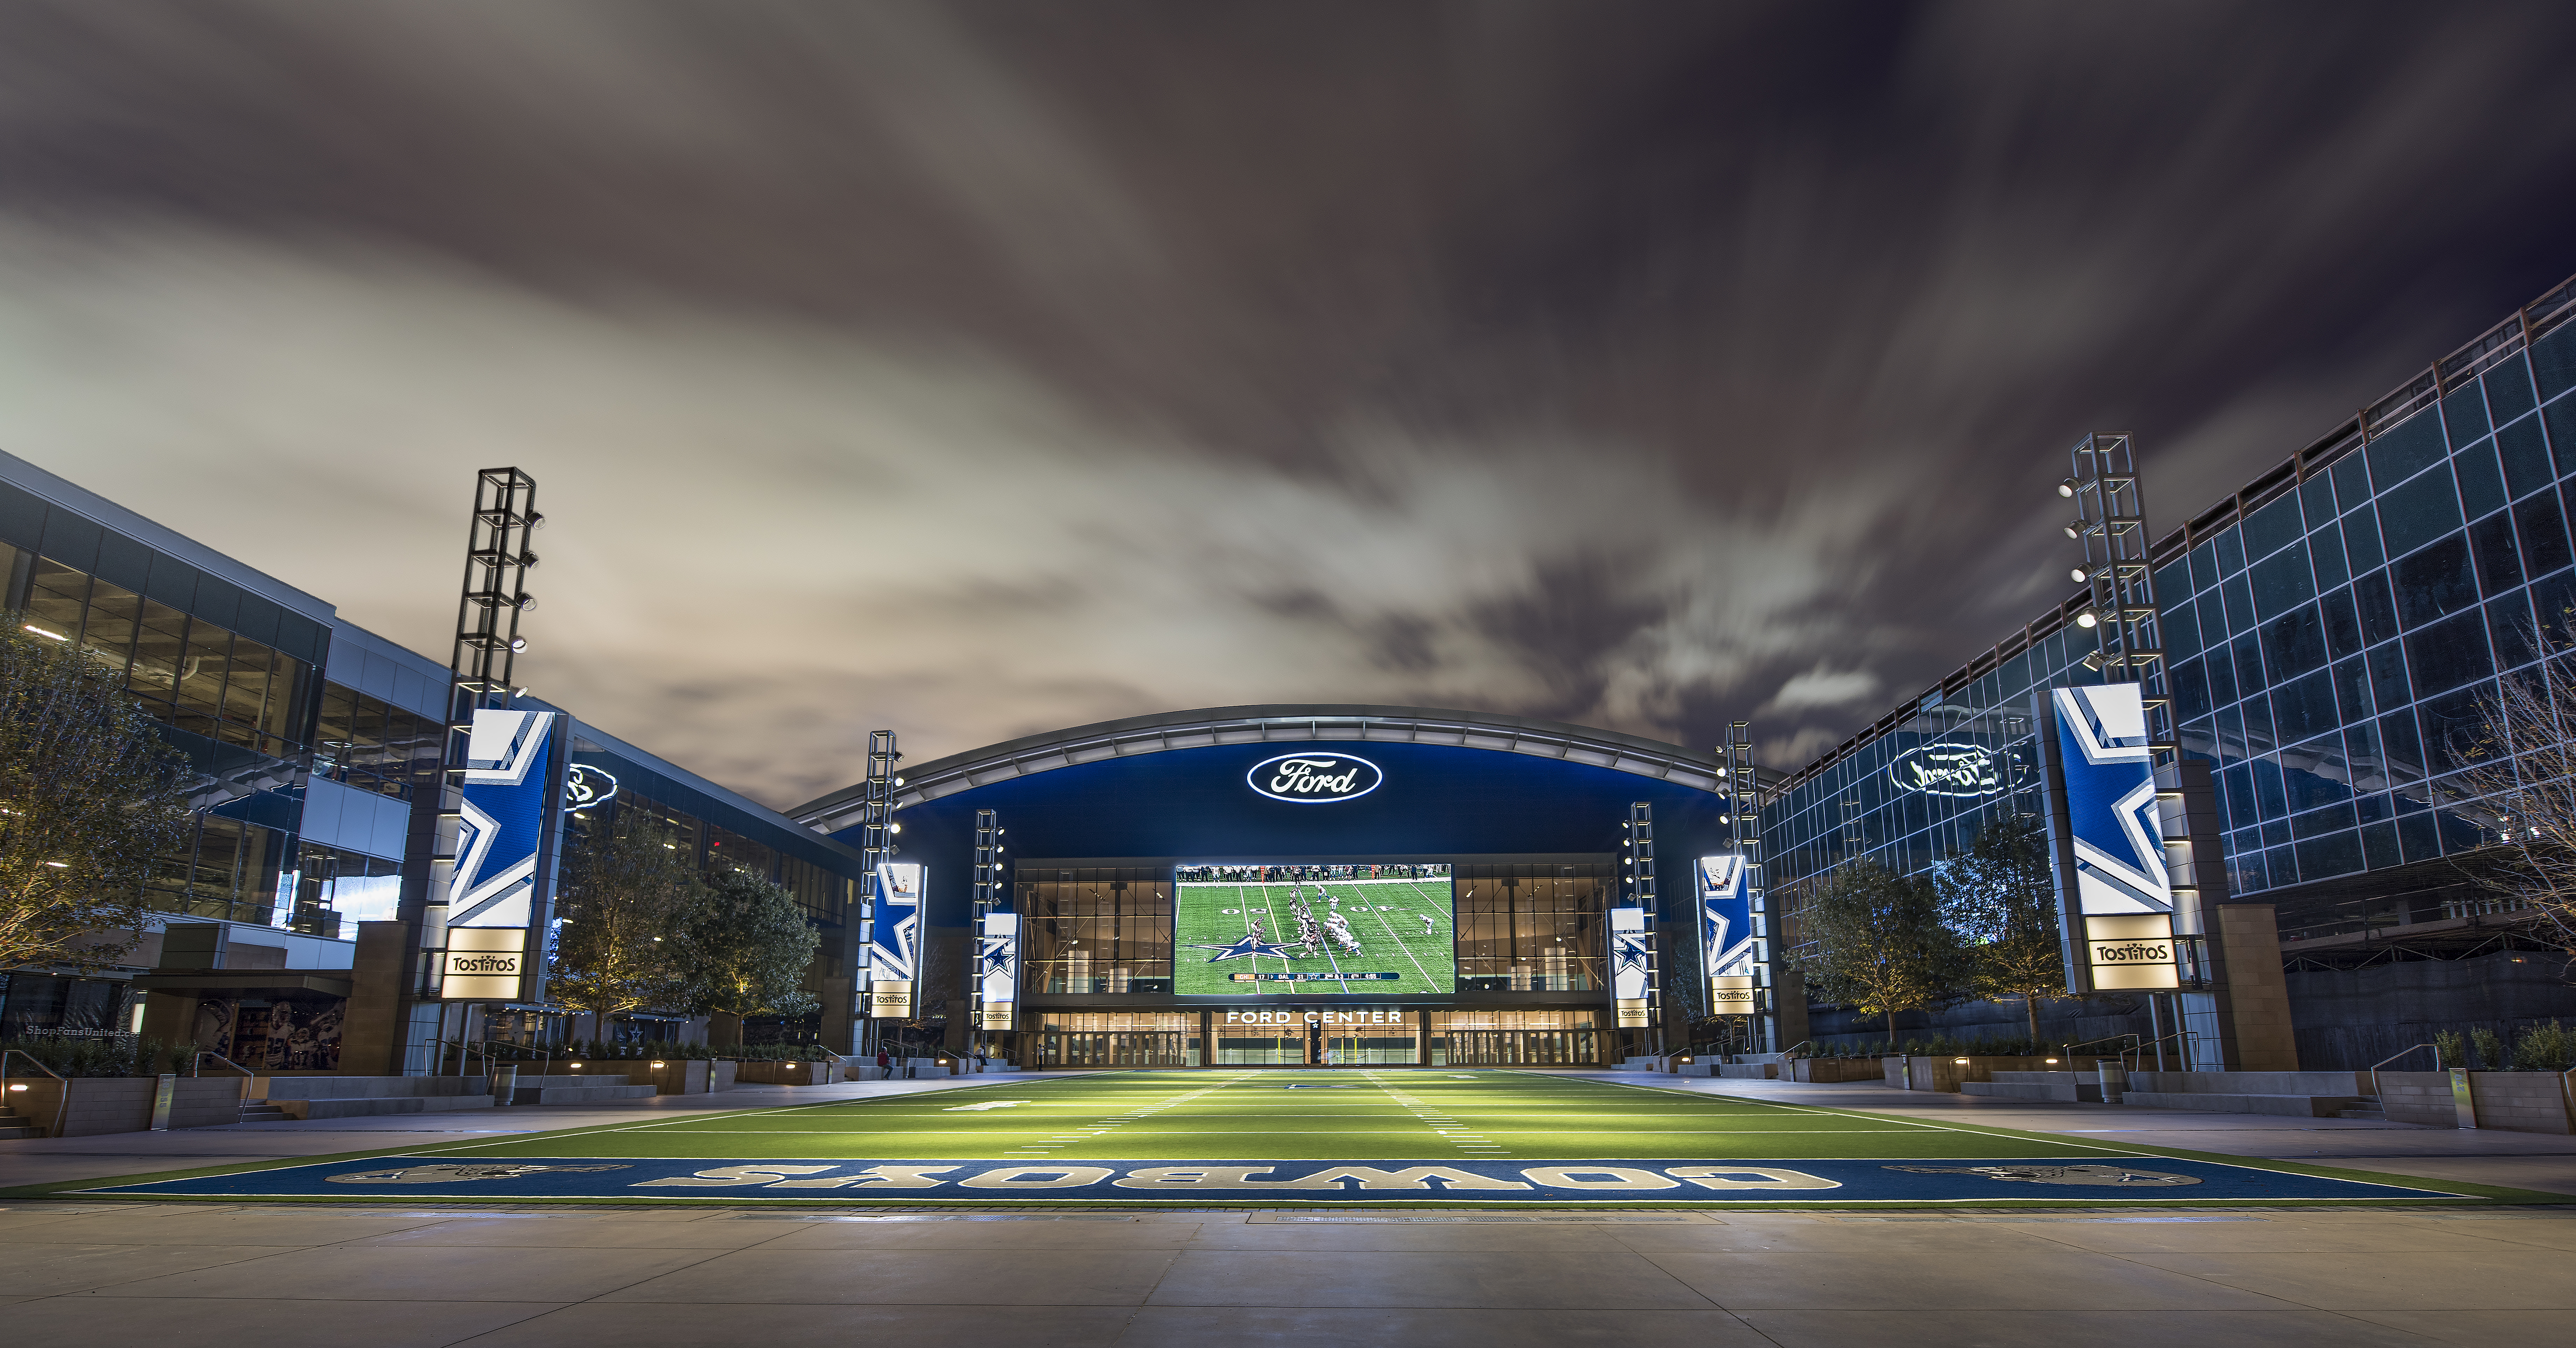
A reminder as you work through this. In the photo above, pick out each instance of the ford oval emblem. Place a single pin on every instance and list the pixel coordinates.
(585, 786)
(1966, 771)
(1314, 779)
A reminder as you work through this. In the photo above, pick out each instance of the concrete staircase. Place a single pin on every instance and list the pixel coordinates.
(14, 1126)
(261, 1111)
(2364, 1107)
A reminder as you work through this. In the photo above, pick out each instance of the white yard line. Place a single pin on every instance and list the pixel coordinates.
(1428, 983)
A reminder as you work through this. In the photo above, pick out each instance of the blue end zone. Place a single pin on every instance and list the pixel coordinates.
(2086, 1181)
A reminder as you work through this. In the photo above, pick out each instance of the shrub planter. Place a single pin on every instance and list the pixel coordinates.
(786, 1073)
(124, 1104)
(2521, 1102)
(1836, 1069)
(1944, 1072)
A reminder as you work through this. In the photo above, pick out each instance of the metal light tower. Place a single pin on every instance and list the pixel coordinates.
(1742, 789)
(2111, 523)
(481, 660)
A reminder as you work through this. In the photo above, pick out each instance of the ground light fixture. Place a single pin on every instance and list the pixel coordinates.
(2086, 619)
(1960, 1061)
(659, 1064)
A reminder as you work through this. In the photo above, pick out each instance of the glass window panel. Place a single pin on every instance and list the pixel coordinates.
(2361, 542)
(2204, 566)
(2404, 450)
(2326, 550)
(2222, 677)
(2293, 644)
(2369, 763)
(2388, 686)
(2509, 624)
(2508, 391)
(2377, 611)
(2240, 604)
(2320, 821)
(2181, 629)
(2379, 846)
(2464, 414)
(2316, 499)
(246, 689)
(109, 629)
(2231, 553)
(56, 599)
(2499, 563)
(160, 646)
(2481, 484)
(2525, 456)
(2342, 624)
(2553, 362)
(2258, 723)
(2352, 688)
(2248, 656)
(2553, 605)
(2544, 535)
(2282, 582)
(2241, 807)
(2304, 708)
(2274, 527)
(2190, 691)
(2435, 583)
(2269, 798)
(2558, 422)
(2449, 653)
(2419, 512)
(2351, 480)
(2452, 724)
(2404, 749)
(2173, 581)
(207, 658)
(2334, 854)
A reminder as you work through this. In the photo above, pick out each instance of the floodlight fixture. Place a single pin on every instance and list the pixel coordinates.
(2086, 619)
(2075, 530)
(2078, 575)
(518, 643)
(2066, 488)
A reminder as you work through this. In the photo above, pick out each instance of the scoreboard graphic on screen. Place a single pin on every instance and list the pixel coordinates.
(1255, 929)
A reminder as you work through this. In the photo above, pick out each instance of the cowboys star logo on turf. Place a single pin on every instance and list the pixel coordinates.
(1249, 945)
(2109, 1175)
(454, 1174)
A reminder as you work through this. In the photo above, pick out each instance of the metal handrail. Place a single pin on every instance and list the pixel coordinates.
(59, 1105)
(2374, 1068)
(247, 1074)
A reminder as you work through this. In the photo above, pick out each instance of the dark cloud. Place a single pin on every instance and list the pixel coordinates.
(973, 368)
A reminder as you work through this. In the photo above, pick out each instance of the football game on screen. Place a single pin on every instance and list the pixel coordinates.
(1256, 928)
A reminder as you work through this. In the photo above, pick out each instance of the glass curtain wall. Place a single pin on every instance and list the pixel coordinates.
(1094, 929)
(1514, 1038)
(1119, 1039)
(1531, 928)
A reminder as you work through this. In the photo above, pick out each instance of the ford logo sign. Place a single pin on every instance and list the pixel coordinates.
(1962, 770)
(1314, 779)
(586, 786)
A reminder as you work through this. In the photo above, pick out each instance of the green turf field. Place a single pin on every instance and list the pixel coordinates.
(1224, 932)
(1341, 1115)
(1266, 1137)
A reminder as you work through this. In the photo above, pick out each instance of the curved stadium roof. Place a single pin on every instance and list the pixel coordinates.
(1280, 723)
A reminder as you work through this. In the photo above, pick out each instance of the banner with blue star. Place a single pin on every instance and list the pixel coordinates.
(997, 969)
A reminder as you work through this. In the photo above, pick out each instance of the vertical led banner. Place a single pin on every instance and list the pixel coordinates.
(894, 940)
(1632, 969)
(498, 888)
(997, 970)
(1730, 942)
(2115, 898)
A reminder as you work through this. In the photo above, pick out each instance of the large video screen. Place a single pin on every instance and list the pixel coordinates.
(1277, 930)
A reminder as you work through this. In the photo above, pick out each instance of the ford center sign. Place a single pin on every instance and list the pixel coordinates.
(1314, 779)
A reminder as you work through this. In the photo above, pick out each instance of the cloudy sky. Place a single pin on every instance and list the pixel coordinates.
(973, 369)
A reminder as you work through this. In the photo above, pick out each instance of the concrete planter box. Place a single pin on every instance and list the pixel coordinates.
(1823, 1070)
(1744, 1071)
(786, 1073)
(2521, 1102)
(124, 1104)
(1945, 1073)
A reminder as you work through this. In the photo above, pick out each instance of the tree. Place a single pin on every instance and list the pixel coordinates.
(2522, 766)
(89, 794)
(630, 889)
(747, 945)
(2002, 901)
(1879, 941)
